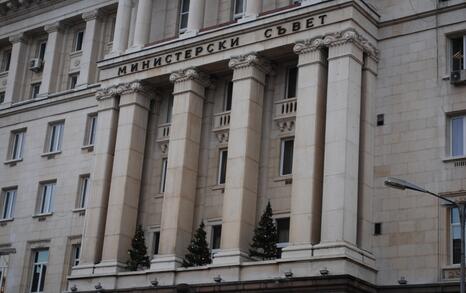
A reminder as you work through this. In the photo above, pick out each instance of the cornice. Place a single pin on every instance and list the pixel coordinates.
(247, 60)
(308, 45)
(350, 36)
(91, 15)
(17, 38)
(190, 74)
(122, 89)
(53, 27)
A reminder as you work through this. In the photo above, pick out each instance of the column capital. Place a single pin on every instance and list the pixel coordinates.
(53, 27)
(122, 89)
(308, 45)
(190, 74)
(350, 36)
(90, 15)
(17, 38)
(247, 60)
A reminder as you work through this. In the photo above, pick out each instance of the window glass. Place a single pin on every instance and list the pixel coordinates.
(163, 176)
(2, 97)
(16, 145)
(46, 200)
(35, 87)
(216, 236)
(73, 80)
(91, 128)
(286, 161)
(78, 42)
(156, 242)
(41, 50)
(455, 236)
(8, 204)
(39, 270)
(184, 13)
(457, 136)
(222, 168)
(6, 60)
(228, 97)
(457, 53)
(56, 136)
(239, 7)
(169, 109)
(283, 229)
(75, 254)
(292, 80)
(84, 182)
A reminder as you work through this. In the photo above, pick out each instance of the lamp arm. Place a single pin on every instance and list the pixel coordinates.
(442, 197)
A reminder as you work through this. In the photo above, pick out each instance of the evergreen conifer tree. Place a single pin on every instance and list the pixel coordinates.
(198, 250)
(138, 258)
(264, 242)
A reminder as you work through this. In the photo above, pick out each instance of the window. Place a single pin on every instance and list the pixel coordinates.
(458, 45)
(91, 127)
(8, 203)
(455, 236)
(291, 82)
(75, 254)
(156, 242)
(41, 50)
(222, 166)
(283, 229)
(73, 80)
(216, 237)
(2, 97)
(239, 7)
(83, 190)
(35, 87)
(163, 175)
(78, 41)
(6, 58)
(4, 260)
(286, 156)
(39, 269)
(184, 13)
(457, 135)
(16, 145)
(46, 194)
(55, 136)
(228, 97)
(169, 109)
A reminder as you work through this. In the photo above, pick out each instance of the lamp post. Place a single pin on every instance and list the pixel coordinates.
(402, 184)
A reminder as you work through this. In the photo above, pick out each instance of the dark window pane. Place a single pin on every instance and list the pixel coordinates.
(79, 41)
(457, 136)
(156, 242)
(239, 6)
(35, 279)
(229, 96)
(223, 167)
(292, 82)
(185, 6)
(42, 279)
(283, 228)
(456, 250)
(216, 236)
(42, 48)
(455, 216)
(457, 53)
(287, 152)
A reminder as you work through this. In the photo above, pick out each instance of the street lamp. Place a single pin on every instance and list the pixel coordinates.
(402, 185)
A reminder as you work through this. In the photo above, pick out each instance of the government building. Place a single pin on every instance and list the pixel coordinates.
(165, 114)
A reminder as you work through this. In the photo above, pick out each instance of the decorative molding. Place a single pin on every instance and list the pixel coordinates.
(223, 136)
(308, 45)
(164, 147)
(286, 125)
(122, 89)
(53, 27)
(251, 59)
(17, 38)
(350, 36)
(90, 15)
(188, 74)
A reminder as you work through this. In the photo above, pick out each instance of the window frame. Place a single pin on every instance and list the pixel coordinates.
(451, 143)
(451, 53)
(83, 190)
(42, 264)
(155, 241)
(4, 262)
(228, 97)
(54, 144)
(238, 15)
(2, 97)
(73, 80)
(222, 166)
(35, 90)
(287, 86)
(8, 210)
(181, 15)
(16, 147)
(451, 238)
(91, 129)
(78, 40)
(41, 49)
(75, 254)
(45, 202)
(6, 60)
(163, 175)
(282, 157)
(281, 218)
(212, 237)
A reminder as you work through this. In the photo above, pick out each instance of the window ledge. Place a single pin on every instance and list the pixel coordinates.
(159, 195)
(13, 162)
(3, 222)
(453, 159)
(287, 178)
(3, 73)
(76, 53)
(80, 211)
(219, 187)
(50, 155)
(89, 147)
(43, 216)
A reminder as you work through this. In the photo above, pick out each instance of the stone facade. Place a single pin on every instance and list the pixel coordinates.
(163, 113)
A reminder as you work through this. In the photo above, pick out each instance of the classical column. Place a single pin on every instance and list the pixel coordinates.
(366, 150)
(126, 176)
(17, 67)
(101, 175)
(143, 23)
(196, 16)
(341, 162)
(306, 192)
(182, 170)
(92, 39)
(122, 26)
(239, 201)
(253, 8)
(52, 59)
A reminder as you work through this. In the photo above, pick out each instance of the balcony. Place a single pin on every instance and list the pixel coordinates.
(222, 126)
(163, 132)
(285, 113)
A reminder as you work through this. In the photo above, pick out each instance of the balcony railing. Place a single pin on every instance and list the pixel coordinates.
(163, 132)
(286, 108)
(222, 121)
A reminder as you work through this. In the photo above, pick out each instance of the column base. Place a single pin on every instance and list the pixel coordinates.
(83, 270)
(229, 257)
(109, 267)
(247, 18)
(343, 249)
(189, 34)
(165, 263)
(134, 48)
(301, 251)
